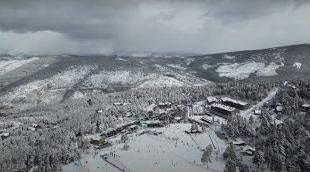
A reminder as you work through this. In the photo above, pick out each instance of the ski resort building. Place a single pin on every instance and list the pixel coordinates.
(118, 129)
(234, 103)
(165, 105)
(198, 110)
(153, 123)
(305, 107)
(258, 112)
(223, 110)
(211, 100)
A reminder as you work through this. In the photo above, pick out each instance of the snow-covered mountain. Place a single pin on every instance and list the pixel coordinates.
(51, 78)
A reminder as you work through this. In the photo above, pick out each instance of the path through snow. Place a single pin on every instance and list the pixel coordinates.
(270, 95)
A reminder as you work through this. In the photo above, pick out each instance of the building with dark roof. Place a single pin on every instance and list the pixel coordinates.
(223, 110)
(234, 103)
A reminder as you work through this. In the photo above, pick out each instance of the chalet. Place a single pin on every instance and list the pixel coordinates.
(223, 110)
(198, 110)
(165, 105)
(118, 129)
(100, 143)
(279, 108)
(305, 107)
(207, 120)
(211, 100)
(248, 150)
(234, 103)
(153, 123)
(198, 120)
(238, 142)
(132, 128)
(110, 132)
(34, 127)
(117, 104)
(99, 110)
(292, 86)
(257, 112)
(177, 119)
(4, 135)
(151, 108)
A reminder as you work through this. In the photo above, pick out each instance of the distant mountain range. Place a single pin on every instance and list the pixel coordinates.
(31, 80)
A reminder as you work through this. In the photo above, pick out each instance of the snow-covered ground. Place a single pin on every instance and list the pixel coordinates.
(161, 69)
(228, 57)
(177, 66)
(271, 95)
(105, 78)
(239, 70)
(206, 66)
(178, 80)
(158, 80)
(47, 90)
(269, 70)
(9, 65)
(173, 151)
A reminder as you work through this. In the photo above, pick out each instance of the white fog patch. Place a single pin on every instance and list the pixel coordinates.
(239, 71)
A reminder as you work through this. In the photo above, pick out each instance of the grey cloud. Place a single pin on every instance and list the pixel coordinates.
(152, 25)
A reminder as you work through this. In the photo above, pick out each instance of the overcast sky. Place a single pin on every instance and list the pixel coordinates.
(193, 26)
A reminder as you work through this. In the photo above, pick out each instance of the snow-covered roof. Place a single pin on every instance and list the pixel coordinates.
(248, 148)
(34, 125)
(126, 124)
(150, 107)
(238, 142)
(279, 108)
(177, 118)
(152, 122)
(211, 99)
(198, 109)
(292, 86)
(166, 103)
(224, 107)
(133, 126)
(4, 134)
(306, 105)
(258, 111)
(227, 99)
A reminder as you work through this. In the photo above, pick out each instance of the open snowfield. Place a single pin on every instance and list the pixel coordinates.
(173, 151)
(9, 65)
(269, 70)
(104, 79)
(239, 71)
(158, 80)
(47, 90)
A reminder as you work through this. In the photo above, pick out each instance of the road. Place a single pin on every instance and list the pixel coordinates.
(270, 95)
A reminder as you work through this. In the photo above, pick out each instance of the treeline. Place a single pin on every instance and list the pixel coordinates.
(282, 140)
(60, 138)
